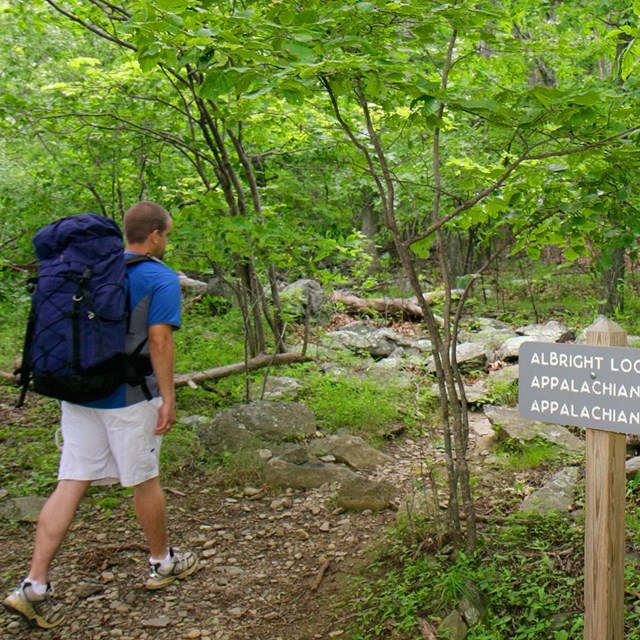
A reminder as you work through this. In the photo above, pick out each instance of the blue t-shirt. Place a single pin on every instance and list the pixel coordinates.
(154, 295)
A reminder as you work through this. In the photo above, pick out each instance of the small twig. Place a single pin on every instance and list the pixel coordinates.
(131, 546)
(321, 573)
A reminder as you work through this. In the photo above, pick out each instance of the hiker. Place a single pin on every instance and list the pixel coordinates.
(117, 438)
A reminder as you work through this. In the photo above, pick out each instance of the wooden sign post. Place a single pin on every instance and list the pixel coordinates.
(605, 507)
(598, 388)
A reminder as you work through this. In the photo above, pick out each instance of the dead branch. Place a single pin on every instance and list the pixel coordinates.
(191, 379)
(259, 362)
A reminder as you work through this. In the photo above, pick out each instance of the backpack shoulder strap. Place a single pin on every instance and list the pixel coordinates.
(137, 258)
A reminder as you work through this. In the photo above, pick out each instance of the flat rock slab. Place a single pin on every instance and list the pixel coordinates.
(25, 509)
(556, 496)
(352, 450)
(360, 494)
(510, 425)
(282, 474)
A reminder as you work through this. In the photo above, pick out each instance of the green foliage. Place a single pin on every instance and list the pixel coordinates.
(361, 405)
(502, 392)
(521, 567)
(205, 341)
(14, 309)
(30, 454)
(532, 454)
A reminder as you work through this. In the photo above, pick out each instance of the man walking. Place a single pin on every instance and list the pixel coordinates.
(117, 439)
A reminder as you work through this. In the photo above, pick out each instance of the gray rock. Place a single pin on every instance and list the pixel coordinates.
(251, 425)
(360, 494)
(556, 496)
(25, 509)
(632, 467)
(471, 356)
(474, 604)
(509, 425)
(302, 297)
(488, 331)
(282, 474)
(550, 332)
(295, 455)
(362, 337)
(453, 627)
(351, 450)
(276, 388)
(156, 623)
(224, 433)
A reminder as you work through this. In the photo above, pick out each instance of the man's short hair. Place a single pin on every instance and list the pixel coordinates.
(142, 219)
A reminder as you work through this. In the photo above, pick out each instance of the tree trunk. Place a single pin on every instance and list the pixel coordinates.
(611, 284)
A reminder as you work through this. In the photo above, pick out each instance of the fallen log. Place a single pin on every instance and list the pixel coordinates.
(407, 307)
(259, 362)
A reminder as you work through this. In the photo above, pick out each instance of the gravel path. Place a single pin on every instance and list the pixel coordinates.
(271, 563)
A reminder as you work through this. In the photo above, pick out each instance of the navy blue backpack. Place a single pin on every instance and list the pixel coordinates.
(75, 340)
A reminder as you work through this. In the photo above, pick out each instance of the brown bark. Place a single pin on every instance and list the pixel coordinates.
(259, 362)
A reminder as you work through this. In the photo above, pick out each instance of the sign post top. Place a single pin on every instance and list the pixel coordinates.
(606, 333)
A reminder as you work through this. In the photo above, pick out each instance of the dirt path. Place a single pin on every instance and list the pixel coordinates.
(271, 564)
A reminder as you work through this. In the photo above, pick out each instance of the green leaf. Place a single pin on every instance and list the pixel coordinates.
(217, 82)
(286, 17)
(422, 248)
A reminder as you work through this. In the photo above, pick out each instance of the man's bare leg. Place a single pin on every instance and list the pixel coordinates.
(53, 523)
(151, 511)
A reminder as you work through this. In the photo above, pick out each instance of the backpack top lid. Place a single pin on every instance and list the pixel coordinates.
(88, 229)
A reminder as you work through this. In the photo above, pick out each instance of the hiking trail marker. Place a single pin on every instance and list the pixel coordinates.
(596, 386)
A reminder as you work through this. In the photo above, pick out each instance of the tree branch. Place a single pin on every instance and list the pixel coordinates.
(91, 27)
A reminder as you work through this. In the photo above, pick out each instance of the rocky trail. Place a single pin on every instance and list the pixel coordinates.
(271, 564)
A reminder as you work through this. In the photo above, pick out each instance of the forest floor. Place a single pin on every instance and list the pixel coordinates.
(272, 564)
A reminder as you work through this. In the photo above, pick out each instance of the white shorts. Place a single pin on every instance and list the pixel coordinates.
(110, 445)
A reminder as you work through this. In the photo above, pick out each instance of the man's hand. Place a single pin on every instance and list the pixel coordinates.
(166, 418)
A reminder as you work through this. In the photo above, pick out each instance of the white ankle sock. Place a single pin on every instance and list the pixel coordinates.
(36, 588)
(163, 562)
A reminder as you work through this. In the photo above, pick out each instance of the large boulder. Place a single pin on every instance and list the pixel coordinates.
(251, 425)
(552, 331)
(509, 425)
(471, 356)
